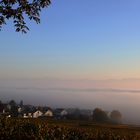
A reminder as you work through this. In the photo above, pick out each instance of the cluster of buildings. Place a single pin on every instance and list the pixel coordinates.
(58, 113)
(12, 109)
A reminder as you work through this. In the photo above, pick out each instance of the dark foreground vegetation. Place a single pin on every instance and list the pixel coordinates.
(36, 129)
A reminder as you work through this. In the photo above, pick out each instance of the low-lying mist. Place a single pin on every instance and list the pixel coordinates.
(124, 100)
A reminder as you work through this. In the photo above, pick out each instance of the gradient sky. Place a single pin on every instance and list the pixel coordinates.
(79, 44)
(92, 39)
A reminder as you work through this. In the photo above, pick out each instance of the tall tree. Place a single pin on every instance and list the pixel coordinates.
(18, 9)
(13, 108)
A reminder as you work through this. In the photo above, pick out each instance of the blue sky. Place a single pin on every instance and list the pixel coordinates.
(76, 39)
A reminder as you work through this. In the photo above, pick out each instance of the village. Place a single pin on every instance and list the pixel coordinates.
(19, 110)
(12, 109)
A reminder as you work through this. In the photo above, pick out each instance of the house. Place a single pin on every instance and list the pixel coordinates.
(60, 113)
(4, 110)
(37, 114)
(19, 109)
(64, 112)
(25, 115)
(48, 113)
(30, 115)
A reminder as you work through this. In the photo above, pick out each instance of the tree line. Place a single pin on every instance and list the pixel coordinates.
(102, 116)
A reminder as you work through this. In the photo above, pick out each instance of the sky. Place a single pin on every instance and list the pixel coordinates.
(78, 46)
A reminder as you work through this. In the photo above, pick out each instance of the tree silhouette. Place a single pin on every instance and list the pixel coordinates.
(12, 103)
(116, 116)
(13, 108)
(100, 116)
(18, 9)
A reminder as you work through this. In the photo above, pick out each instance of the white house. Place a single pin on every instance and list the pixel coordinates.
(19, 109)
(63, 112)
(30, 115)
(60, 113)
(48, 113)
(25, 115)
(37, 114)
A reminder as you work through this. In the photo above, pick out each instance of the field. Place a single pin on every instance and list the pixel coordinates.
(36, 129)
